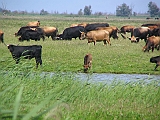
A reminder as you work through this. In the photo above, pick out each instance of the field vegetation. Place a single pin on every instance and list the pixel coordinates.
(25, 93)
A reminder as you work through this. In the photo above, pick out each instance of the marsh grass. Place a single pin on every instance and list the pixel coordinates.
(37, 96)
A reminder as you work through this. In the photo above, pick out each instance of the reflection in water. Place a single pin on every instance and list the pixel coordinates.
(109, 78)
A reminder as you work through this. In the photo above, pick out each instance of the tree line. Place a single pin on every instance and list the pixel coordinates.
(122, 10)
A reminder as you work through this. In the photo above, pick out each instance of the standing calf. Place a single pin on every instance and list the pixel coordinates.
(156, 60)
(28, 52)
(87, 62)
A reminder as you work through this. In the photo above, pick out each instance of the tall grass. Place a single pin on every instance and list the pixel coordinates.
(34, 95)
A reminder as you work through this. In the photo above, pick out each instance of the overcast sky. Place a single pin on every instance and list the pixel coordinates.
(73, 6)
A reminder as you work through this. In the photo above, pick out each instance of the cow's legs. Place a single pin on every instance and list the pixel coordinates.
(38, 61)
(108, 41)
(156, 66)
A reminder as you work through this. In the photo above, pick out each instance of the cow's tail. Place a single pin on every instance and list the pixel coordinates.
(124, 37)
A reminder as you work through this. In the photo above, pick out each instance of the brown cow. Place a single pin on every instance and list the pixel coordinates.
(151, 43)
(113, 31)
(37, 23)
(126, 28)
(87, 62)
(1, 36)
(139, 33)
(80, 24)
(50, 31)
(96, 35)
(156, 60)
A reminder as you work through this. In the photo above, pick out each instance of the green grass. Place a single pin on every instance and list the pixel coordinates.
(121, 57)
(27, 94)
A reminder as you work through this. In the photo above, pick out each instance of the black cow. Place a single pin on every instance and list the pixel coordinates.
(93, 26)
(35, 28)
(28, 52)
(72, 32)
(156, 60)
(155, 32)
(30, 34)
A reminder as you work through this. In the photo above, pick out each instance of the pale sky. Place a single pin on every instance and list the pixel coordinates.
(73, 6)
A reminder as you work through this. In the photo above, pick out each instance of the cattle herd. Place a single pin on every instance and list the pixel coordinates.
(93, 32)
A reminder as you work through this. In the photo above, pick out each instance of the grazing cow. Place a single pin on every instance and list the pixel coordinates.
(23, 30)
(139, 33)
(80, 24)
(155, 31)
(151, 43)
(72, 32)
(87, 62)
(30, 34)
(1, 36)
(96, 35)
(126, 28)
(28, 52)
(113, 31)
(93, 26)
(50, 31)
(149, 24)
(156, 60)
(37, 23)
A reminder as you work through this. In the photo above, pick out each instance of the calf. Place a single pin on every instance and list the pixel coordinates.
(1, 36)
(28, 52)
(87, 62)
(151, 43)
(156, 60)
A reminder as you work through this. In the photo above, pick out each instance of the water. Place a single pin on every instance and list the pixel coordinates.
(109, 77)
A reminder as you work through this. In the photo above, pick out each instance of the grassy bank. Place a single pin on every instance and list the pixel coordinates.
(27, 96)
(121, 57)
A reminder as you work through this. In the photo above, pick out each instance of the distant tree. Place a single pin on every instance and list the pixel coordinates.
(80, 12)
(1, 9)
(87, 10)
(134, 14)
(98, 13)
(43, 12)
(153, 9)
(123, 10)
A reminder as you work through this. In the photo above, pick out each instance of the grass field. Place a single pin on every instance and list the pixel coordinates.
(121, 57)
(25, 94)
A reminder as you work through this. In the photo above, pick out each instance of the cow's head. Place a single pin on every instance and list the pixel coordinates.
(134, 39)
(86, 67)
(115, 34)
(83, 35)
(11, 48)
(144, 49)
(16, 34)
